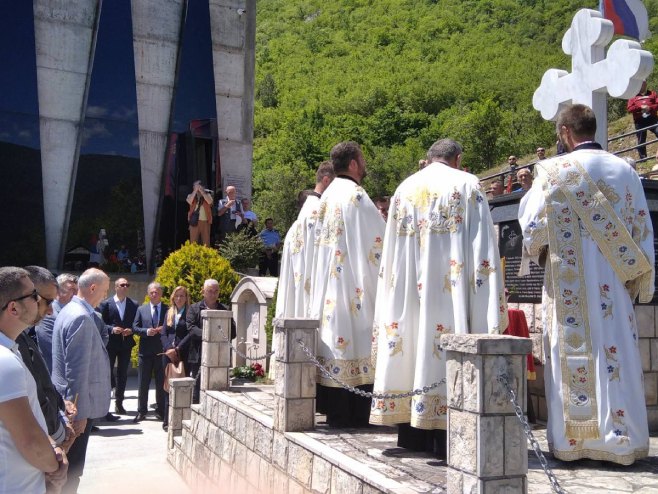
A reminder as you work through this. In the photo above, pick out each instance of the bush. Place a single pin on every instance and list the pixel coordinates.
(190, 266)
(241, 250)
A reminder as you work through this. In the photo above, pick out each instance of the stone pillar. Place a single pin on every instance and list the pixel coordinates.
(216, 349)
(294, 388)
(487, 447)
(180, 401)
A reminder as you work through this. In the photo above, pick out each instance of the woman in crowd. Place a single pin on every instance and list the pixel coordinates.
(175, 330)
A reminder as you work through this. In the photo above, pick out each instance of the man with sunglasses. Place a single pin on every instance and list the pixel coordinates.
(52, 404)
(118, 314)
(30, 457)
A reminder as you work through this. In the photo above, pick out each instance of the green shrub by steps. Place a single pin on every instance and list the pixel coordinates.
(190, 266)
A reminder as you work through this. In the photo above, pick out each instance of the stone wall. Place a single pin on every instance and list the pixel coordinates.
(227, 446)
(648, 344)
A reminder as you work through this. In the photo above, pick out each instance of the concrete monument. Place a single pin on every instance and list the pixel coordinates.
(593, 75)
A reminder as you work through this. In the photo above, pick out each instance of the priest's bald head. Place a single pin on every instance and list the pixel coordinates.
(575, 124)
(445, 151)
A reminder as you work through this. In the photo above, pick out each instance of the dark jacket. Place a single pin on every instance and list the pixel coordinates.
(148, 345)
(110, 314)
(172, 335)
(51, 402)
(191, 344)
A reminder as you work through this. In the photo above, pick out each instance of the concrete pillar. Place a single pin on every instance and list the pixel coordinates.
(180, 401)
(487, 447)
(65, 40)
(233, 32)
(216, 350)
(157, 32)
(294, 388)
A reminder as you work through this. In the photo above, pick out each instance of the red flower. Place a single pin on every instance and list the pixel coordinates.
(572, 442)
(613, 349)
(620, 413)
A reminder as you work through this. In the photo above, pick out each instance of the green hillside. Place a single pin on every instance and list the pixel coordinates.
(395, 75)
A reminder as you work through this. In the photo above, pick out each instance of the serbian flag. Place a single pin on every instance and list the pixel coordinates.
(628, 16)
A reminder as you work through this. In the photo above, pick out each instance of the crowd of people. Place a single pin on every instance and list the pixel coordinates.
(385, 290)
(65, 348)
(385, 285)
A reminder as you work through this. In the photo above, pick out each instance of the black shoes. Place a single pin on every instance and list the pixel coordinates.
(118, 408)
(139, 417)
(158, 416)
(111, 418)
(165, 427)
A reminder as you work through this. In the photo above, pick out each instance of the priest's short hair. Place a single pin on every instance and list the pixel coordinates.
(444, 148)
(579, 119)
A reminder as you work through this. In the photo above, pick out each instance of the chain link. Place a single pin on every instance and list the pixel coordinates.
(360, 392)
(251, 359)
(504, 380)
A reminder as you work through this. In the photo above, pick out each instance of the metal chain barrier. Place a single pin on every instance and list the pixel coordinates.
(379, 396)
(504, 380)
(251, 359)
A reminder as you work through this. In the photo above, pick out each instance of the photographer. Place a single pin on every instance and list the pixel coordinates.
(199, 215)
(229, 213)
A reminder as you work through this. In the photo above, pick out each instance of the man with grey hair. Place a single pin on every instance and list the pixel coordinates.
(440, 273)
(191, 344)
(27, 452)
(445, 151)
(148, 325)
(81, 367)
(67, 286)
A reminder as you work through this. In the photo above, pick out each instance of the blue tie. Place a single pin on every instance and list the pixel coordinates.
(156, 319)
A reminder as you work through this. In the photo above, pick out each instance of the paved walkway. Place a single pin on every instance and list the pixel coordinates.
(127, 458)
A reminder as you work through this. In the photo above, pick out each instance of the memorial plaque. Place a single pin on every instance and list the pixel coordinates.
(522, 289)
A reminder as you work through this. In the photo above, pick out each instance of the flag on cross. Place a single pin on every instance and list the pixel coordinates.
(628, 16)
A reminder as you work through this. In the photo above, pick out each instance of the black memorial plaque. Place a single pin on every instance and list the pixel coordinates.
(522, 289)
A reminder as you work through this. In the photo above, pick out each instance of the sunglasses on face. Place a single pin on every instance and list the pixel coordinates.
(33, 294)
(124, 285)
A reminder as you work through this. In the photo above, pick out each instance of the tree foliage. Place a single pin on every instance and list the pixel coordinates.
(395, 75)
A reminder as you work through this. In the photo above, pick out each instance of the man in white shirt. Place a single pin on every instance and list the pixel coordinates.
(28, 458)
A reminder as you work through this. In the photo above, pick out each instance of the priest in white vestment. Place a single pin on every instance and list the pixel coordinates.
(348, 242)
(294, 287)
(440, 274)
(586, 215)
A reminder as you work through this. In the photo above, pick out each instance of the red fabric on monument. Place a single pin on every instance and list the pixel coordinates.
(519, 327)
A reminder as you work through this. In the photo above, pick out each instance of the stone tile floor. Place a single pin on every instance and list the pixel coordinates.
(376, 448)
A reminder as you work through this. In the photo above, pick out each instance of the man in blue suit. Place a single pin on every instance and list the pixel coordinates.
(118, 314)
(148, 324)
(81, 367)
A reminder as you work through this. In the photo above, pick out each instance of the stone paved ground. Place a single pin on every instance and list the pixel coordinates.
(129, 458)
(376, 448)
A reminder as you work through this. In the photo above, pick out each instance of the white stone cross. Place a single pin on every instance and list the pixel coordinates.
(593, 76)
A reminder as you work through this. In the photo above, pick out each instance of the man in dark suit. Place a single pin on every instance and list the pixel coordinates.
(148, 324)
(191, 344)
(118, 314)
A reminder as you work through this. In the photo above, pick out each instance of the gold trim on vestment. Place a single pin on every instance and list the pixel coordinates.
(597, 454)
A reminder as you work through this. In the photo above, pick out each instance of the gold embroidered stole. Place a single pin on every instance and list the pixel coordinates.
(575, 197)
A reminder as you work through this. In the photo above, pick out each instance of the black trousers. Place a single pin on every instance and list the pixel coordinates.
(76, 456)
(430, 441)
(269, 263)
(194, 368)
(642, 134)
(149, 365)
(122, 359)
(343, 408)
